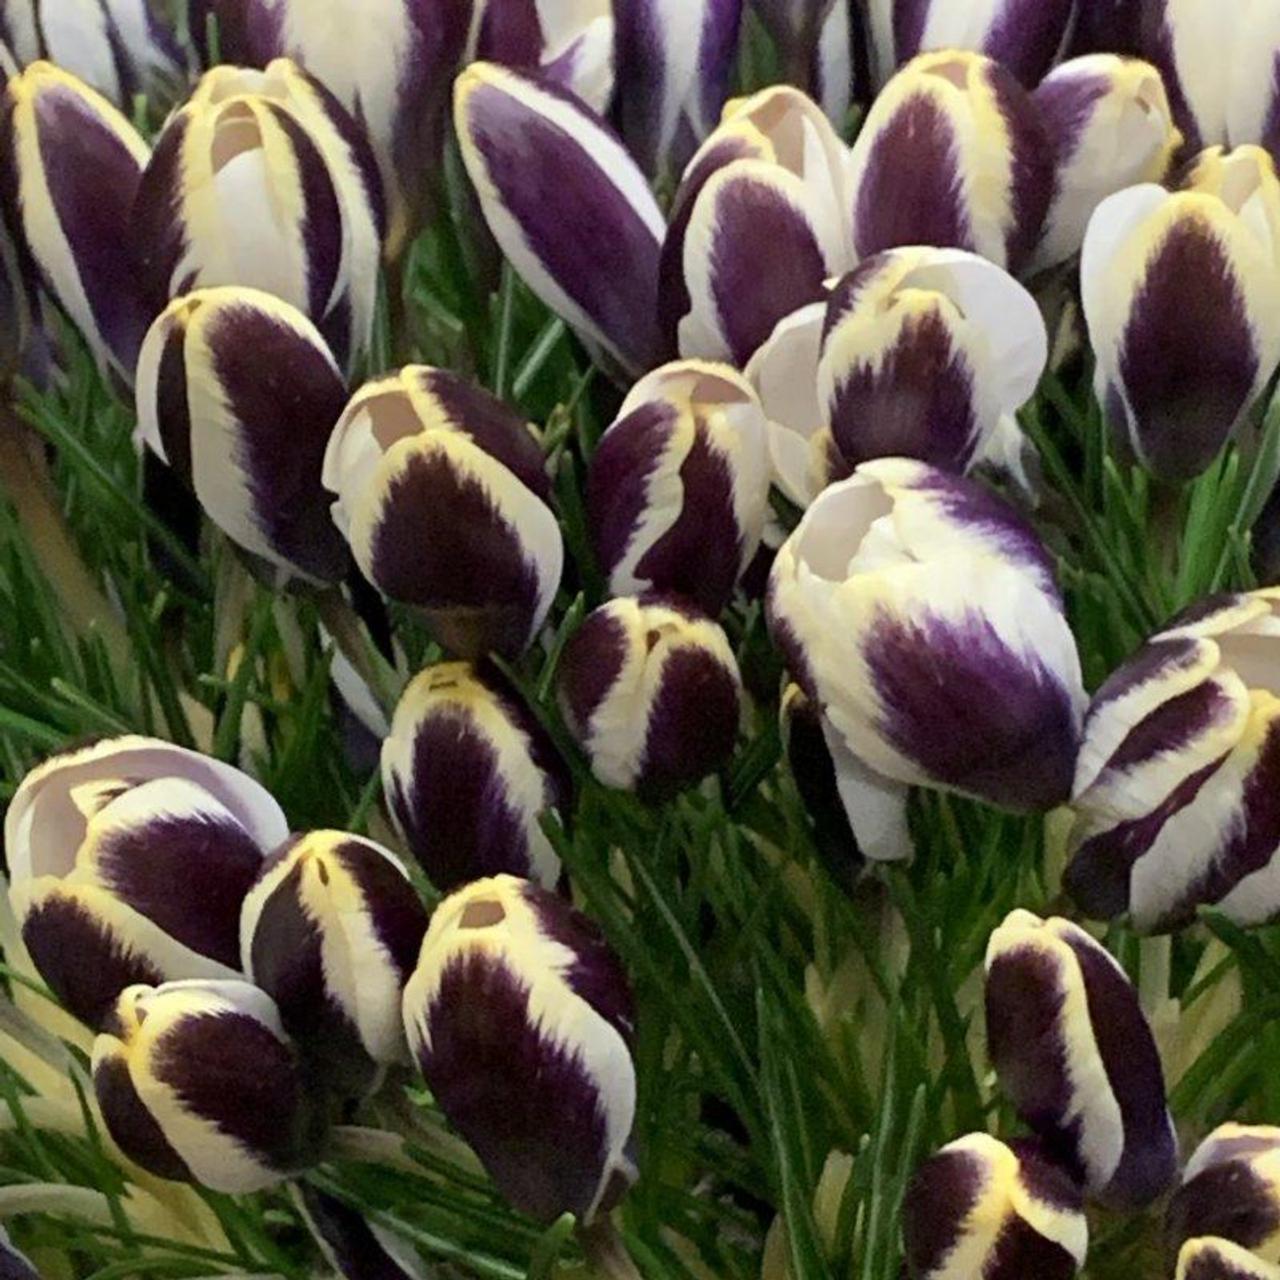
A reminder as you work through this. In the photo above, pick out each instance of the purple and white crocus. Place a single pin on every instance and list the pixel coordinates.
(1211, 1258)
(1179, 769)
(520, 1018)
(1073, 1050)
(919, 612)
(442, 493)
(678, 489)
(129, 862)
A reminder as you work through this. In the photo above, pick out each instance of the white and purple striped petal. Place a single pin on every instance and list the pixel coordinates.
(1210, 1258)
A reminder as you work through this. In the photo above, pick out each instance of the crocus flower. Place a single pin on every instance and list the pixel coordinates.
(1075, 1053)
(1209, 1258)
(121, 48)
(954, 154)
(1180, 759)
(519, 1016)
(1024, 35)
(72, 219)
(565, 42)
(772, 173)
(1111, 127)
(237, 393)
(129, 862)
(442, 494)
(264, 180)
(1231, 1189)
(331, 931)
(355, 1247)
(198, 1082)
(468, 774)
(678, 489)
(650, 689)
(675, 61)
(919, 613)
(1179, 293)
(569, 207)
(814, 40)
(981, 1208)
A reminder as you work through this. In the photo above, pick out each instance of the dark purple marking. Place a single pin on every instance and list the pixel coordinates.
(591, 663)
(1155, 44)
(847, 294)
(173, 410)
(1045, 1178)
(133, 1127)
(1021, 1251)
(1228, 1200)
(399, 919)
(1067, 103)
(1210, 1264)
(346, 1235)
(1027, 36)
(717, 54)
(944, 1192)
(642, 73)
(1157, 660)
(1032, 156)
(157, 235)
(1106, 26)
(1173, 725)
(511, 33)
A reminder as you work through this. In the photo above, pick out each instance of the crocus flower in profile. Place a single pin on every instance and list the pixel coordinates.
(129, 862)
(468, 774)
(443, 495)
(1179, 293)
(919, 612)
(772, 173)
(1180, 759)
(541, 161)
(198, 1082)
(1209, 1258)
(675, 61)
(519, 1016)
(1076, 1055)
(650, 688)
(981, 1208)
(237, 393)
(262, 179)
(678, 489)
(1231, 1189)
(72, 220)
(1111, 127)
(954, 154)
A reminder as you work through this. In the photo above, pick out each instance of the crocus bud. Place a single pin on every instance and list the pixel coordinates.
(264, 180)
(1111, 127)
(442, 494)
(355, 1247)
(679, 486)
(1179, 292)
(238, 393)
(331, 932)
(1211, 1259)
(1076, 1056)
(981, 1208)
(650, 689)
(1231, 1189)
(14, 1265)
(1180, 758)
(468, 774)
(569, 43)
(73, 219)
(675, 61)
(198, 1082)
(953, 154)
(129, 861)
(1026, 36)
(519, 1016)
(919, 612)
(542, 162)
(772, 173)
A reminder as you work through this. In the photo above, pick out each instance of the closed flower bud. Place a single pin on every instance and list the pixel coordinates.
(198, 1082)
(1211, 1259)
(1111, 127)
(331, 932)
(1179, 293)
(542, 163)
(772, 173)
(1231, 1189)
(468, 774)
(678, 489)
(919, 612)
(14, 1265)
(129, 862)
(1178, 770)
(981, 1208)
(675, 62)
(264, 180)
(1076, 1056)
(442, 494)
(954, 154)
(519, 1016)
(650, 689)
(73, 219)
(237, 393)
(355, 1247)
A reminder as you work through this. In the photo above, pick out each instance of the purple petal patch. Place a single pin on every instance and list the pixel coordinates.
(941, 1196)
(591, 663)
(132, 1126)
(693, 722)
